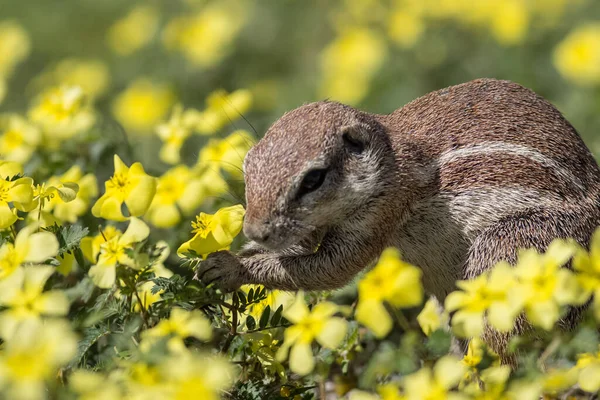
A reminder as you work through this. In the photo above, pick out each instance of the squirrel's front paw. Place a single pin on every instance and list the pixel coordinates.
(221, 268)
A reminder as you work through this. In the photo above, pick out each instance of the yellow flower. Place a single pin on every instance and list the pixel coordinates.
(129, 185)
(405, 27)
(90, 246)
(113, 252)
(317, 324)
(577, 57)
(556, 381)
(392, 281)
(546, 286)
(510, 22)
(32, 357)
(178, 191)
(134, 31)
(91, 75)
(17, 191)
(43, 194)
(181, 324)
(90, 385)
(29, 247)
(222, 109)
(588, 365)
(214, 232)
(192, 376)
(173, 134)
(206, 37)
(349, 63)
(435, 383)
(87, 189)
(21, 293)
(432, 317)
(587, 268)
(18, 138)
(62, 112)
(142, 105)
(226, 154)
(493, 292)
(14, 46)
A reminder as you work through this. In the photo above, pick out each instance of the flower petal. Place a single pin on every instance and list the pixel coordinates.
(373, 315)
(301, 359)
(103, 275)
(41, 246)
(141, 196)
(333, 332)
(136, 232)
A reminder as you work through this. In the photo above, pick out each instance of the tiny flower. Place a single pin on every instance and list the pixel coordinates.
(129, 185)
(181, 324)
(173, 134)
(22, 294)
(142, 105)
(29, 247)
(18, 138)
(62, 112)
(435, 383)
(317, 324)
(223, 109)
(432, 317)
(18, 191)
(226, 154)
(179, 190)
(588, 365)
(214, 232)
(392, 281)
(90, 246)
(133, 31)
(33, 356)
(114, 251)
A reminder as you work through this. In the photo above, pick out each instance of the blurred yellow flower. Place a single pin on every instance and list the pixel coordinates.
(435, 383)
(91, 75)
(206, 37)
(173, 134)
(87, 190)
(129, 185)
(21, 294)
(432, 317)
(587, 267)
(62, 112)
(556, 381)
(141, 106)
(90, 385)
(29, 247)
(113, 253)
(145, 289)
(317, 324)
(275, 298)
(133, 31)
(493, 292)
(214, 232)
(545, 285)
(405, 27)
(226, 154)
(222, 109)
(577, 57)
(392, 281)
(510, 21)
(588, 365)
(90, 246)
(18, 138)
(180, 325)
(14, 46)
(19, 191)
(179, 190)
(349, 63)
(33, 356)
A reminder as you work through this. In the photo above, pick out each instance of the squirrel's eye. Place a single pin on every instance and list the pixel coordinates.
(352, 143)
(312, 181)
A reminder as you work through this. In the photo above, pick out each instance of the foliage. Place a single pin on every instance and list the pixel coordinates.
(97, 291)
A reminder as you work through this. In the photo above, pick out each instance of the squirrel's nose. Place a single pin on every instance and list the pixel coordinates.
(257, 232)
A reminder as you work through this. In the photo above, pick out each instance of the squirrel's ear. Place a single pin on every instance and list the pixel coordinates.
(355, 137)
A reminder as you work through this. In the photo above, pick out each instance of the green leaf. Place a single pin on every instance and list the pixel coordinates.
(250, 322)
(68, 236)
(90, 337)
(241, 297)
(277, 316)
(264, 318)
(250, 295)
(68, 192)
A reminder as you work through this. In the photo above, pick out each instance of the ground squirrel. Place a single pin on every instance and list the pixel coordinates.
(457, 180)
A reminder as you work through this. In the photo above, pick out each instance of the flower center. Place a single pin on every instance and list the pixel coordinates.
(203, 225)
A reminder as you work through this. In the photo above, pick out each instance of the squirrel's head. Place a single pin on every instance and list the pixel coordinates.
(317, 166)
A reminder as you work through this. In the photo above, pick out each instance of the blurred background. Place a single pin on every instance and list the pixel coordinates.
(186, 82)
(137, 59)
